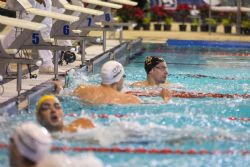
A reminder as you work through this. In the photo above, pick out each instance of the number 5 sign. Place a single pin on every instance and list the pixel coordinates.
(35, 38)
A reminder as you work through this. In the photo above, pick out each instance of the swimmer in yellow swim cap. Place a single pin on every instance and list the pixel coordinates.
(49, 114)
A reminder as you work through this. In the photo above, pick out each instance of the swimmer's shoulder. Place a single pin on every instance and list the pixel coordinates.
(83, 123)
(86, 88)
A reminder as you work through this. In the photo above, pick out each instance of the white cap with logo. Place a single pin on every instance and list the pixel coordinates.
(111, 72)
(32, 141)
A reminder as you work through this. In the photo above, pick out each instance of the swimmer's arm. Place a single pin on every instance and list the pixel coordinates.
(58, 86)
(144, 93)
(164, 93)
(138, 84)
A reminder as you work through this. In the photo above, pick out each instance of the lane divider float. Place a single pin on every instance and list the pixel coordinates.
(182, 94)
(144, 150)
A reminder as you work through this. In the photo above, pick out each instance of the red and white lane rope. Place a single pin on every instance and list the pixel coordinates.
(239, 119)
(99, 115)
(144, 150)
(182, 94)
(150, 151)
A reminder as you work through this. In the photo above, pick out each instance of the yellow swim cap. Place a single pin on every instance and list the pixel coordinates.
(43, 98)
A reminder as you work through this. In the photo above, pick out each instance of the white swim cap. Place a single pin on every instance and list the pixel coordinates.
(32, 141)
(62, 160)
(111, 72)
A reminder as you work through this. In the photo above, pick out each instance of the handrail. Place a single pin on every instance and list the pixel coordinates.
(21, 23)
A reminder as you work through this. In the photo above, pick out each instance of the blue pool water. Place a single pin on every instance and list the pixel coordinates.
(181, 124)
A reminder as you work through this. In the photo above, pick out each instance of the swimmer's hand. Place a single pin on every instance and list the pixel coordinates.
(58, 86)
(165, 94)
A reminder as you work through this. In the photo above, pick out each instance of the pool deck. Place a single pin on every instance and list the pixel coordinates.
(147, 36)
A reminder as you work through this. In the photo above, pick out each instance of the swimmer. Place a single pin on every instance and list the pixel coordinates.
(29, 144)
(109, 91)
(49, 114)
(157, 71)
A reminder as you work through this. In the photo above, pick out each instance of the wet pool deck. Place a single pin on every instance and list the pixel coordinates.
(148, 36)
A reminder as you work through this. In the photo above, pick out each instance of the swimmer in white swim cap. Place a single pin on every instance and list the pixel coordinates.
(109, 91)
(28, 145)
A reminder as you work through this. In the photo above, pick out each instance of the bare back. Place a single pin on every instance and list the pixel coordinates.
(97, 95)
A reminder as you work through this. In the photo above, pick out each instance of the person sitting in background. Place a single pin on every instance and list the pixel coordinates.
(28, 145)
(157, 71)
(49, 114)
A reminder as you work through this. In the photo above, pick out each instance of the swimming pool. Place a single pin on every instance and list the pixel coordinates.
(184, 132)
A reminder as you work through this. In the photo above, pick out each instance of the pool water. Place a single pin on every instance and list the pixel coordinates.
(182, 124)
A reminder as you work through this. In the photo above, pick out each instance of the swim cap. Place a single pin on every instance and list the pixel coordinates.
(32, 141)
(111, 72)
(151, 62)
(43, 98)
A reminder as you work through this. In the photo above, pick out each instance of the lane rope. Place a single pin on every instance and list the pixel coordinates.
(99, 115)
(144, 150)
(205, 53)
(151, 151)
(206, 76)
(239, 119)
(182, 94)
